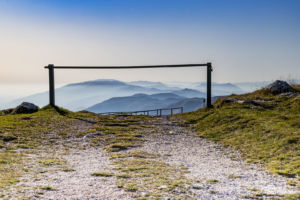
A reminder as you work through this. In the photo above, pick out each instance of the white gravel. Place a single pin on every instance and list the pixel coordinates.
(207, 160)
(79, 184)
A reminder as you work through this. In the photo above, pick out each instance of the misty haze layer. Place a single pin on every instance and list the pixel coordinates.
(84, 95)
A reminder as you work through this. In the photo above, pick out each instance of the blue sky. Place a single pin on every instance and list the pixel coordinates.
(246, 40)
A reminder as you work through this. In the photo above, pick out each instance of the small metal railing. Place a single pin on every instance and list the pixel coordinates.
(154, 112)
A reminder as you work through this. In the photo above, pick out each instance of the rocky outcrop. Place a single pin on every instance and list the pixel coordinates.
(234, 100)
(289, 94)
(25, 107)
(279, 87)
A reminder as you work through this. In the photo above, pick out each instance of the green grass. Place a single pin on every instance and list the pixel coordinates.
(131, 188)
(20, 133)
(212, 181)
(134, 154)
(268, 133)
(233, 176)
(292, 196)
(103, 174)
(51, 162)
(48, 188)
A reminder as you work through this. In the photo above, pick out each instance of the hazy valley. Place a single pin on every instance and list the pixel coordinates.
(86, 95)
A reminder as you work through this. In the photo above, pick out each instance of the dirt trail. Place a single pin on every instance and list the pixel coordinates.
(70, 179)
(221, 171)
(217, 172)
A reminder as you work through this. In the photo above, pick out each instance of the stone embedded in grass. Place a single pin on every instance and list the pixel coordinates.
(162, 187)
(279, 87)
(197, 186)
(24, 108)
(7, 138)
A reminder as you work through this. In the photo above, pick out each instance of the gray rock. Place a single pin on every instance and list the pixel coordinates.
(200, 186)
(230, 100)
(234, 100)
(288, 94)
(248, 102)
(25, 107)
(92, 135)
(279, 87)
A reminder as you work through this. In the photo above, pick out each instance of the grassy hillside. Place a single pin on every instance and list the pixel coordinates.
(267, 132)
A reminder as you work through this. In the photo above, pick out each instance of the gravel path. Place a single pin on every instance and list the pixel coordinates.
(216, 172)
(79, 184)
(220, 172)
(72, 181)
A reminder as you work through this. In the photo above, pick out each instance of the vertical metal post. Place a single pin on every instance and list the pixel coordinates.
(51, 85)
(208, 89)
(171, 111)
(181, 109)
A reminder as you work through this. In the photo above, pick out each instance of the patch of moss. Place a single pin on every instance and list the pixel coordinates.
(233, 176)
(135, 154)
(50, 162)
(103, 174)
(295, 196)
(48, 188)
(131, 188)
(212, 181)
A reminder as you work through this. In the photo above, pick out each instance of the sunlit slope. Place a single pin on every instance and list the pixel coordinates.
(265, 131)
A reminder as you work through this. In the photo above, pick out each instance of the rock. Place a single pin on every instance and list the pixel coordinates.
(279, 87)
(200, 186)
(162, 187)
(248, 102)
(234, 100)
(92, 135)
(288, 94)
(25, 107)
(7, 137)
(230, 100)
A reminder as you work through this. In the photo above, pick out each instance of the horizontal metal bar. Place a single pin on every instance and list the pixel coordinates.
(126, 67)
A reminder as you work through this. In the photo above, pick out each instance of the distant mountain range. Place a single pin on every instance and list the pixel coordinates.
(141, 102)
(137, 102)
(189, 104)
(83, 95)
(150, 84)
(79, 96)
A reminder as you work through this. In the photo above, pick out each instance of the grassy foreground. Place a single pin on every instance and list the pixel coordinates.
(266, 133)
(135, 170)
(23, 133)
